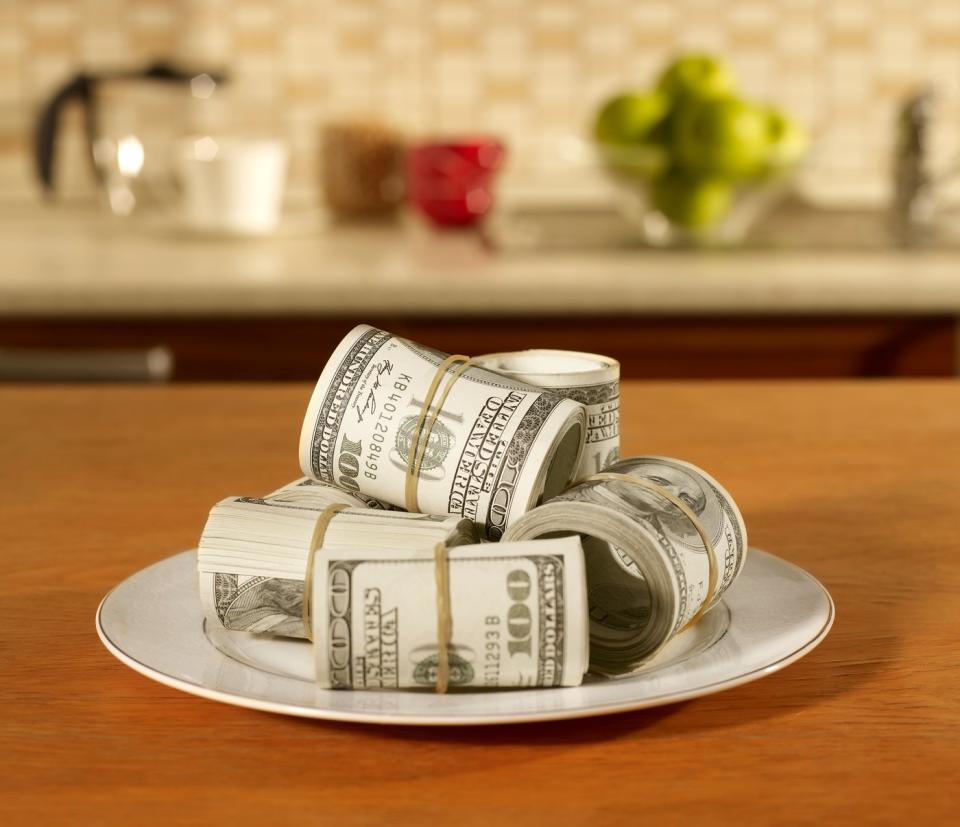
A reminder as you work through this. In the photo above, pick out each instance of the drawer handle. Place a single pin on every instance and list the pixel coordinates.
(153, 364)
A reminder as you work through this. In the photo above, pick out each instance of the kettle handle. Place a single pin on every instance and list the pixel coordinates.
(80, 87)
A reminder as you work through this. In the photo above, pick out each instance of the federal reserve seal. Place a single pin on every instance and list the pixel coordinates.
(439, 443)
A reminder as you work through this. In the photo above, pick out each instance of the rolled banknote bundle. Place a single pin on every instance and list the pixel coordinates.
(658, 552)
(519, 616)
(254, 553)
(587, 378)
(407, 425)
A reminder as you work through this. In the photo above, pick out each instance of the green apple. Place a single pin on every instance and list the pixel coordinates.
(697, 76)
(788, 139)
(692, 202)
(722, 136)
(630, 117)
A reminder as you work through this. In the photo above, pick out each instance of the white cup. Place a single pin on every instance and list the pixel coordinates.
(232, 185)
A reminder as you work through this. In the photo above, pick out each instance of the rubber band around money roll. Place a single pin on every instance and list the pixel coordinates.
(425, 422)
(441, 568)
(316, 543)
(441, 563)
(688, 513)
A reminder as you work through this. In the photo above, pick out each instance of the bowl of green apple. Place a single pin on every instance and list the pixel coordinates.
(694, 162)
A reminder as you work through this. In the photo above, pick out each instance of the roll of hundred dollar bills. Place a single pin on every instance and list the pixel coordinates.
(648, 570)
(588, 378)
(496, 449)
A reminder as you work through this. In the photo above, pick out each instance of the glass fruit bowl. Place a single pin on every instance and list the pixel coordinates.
(695, 162)
(670, 208)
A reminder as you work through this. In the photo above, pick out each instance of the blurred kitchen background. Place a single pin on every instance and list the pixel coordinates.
(216, 189)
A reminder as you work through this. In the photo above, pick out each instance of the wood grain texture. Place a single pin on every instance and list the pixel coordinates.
(857, 482)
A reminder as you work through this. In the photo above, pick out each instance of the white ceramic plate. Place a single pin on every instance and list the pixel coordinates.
(772, 615)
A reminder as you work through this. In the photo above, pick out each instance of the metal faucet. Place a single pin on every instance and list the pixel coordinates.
(914, 206)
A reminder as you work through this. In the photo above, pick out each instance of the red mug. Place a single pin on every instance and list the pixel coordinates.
(450, 182)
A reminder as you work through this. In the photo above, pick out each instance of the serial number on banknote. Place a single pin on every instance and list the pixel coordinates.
(353, 457)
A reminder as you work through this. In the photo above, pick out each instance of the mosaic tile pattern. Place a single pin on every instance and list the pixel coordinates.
(530, 71)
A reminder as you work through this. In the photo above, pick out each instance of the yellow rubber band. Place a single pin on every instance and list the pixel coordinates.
(316, 543)
(424, 426)
(441, 563)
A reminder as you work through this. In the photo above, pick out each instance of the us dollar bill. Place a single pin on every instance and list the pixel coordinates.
(253, 552)
(588, 378)
(648, 570)
(497, 448)
(518, 609)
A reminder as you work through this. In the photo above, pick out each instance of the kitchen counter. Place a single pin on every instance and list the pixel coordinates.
(73, 263)
(854, 481)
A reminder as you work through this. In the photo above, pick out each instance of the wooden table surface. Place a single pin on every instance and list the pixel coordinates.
(858, 483)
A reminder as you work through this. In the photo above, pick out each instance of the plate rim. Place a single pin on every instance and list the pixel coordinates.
(479, 719)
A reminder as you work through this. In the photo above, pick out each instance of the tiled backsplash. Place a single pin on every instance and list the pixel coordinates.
(529, 70)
